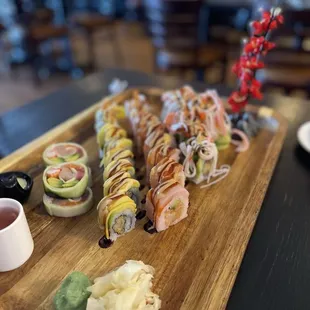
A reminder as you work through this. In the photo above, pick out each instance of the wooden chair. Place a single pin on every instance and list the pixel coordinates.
(287, 66)
(174, 29)
(41, 30)
(93, 22)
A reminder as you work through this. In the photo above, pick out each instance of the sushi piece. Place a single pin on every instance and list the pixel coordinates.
(157, 136)
(68, 180)
(146, 121)
(64, 152)
(167, 169)
(122, 143)
(115, 166)
(167, 204)
(116, 215)
(122, 183)
(68, 207)
(108, 132)
(116, 154)
(159, 152)
(201, 157)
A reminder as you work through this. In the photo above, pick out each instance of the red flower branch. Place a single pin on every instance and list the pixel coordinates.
(249, 61)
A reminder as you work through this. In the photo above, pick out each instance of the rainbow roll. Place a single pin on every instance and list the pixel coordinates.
(116, 215)
(68, 180)
(167, 204)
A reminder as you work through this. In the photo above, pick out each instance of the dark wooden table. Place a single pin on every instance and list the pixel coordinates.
(275, 272)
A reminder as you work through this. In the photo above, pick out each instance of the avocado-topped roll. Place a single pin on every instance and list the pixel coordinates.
(70, 207)
(122, 143)
(68, 180)
(167, 169)
(116, 215)
(64, 152)
(111, 114)
(167, 204)
(122, 183)
(108, 132)
(123, 165)
(116, 154)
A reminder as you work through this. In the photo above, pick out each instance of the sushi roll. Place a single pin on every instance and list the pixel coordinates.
(113, 144)
(68, 180)
(70, 207)
(167, 169)
(116, 215)
(167, 204)
(64, 152)
(157, 153)
(122, 183)
(115, 155)
(156, 137)
(201, 157)
(115, 166)
(108, 132)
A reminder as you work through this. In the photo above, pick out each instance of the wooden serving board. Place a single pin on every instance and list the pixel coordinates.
(196, 261)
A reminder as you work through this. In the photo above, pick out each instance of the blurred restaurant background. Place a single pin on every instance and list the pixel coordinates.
(45, 44)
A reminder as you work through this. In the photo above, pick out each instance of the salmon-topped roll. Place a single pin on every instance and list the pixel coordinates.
(116, 215)
(158, 152)
(116, 166)
(157, 137)
(167, 169)
(143, 125)
(122, 183)
(167, 204)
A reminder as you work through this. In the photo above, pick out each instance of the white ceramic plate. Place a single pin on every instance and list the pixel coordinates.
(303, 136)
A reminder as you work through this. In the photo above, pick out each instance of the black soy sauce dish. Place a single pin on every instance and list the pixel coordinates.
(16, 185)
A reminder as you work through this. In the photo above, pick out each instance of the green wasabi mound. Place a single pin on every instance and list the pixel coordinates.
(73, 294)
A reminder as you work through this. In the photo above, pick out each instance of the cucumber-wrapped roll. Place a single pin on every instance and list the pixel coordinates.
(68, 207)
(67, 180)
(122, 183)
(108, 132)
(167, 204)
(64, 152)
(116, 215)
(116, 155)
(116, 166)
(167, 169)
